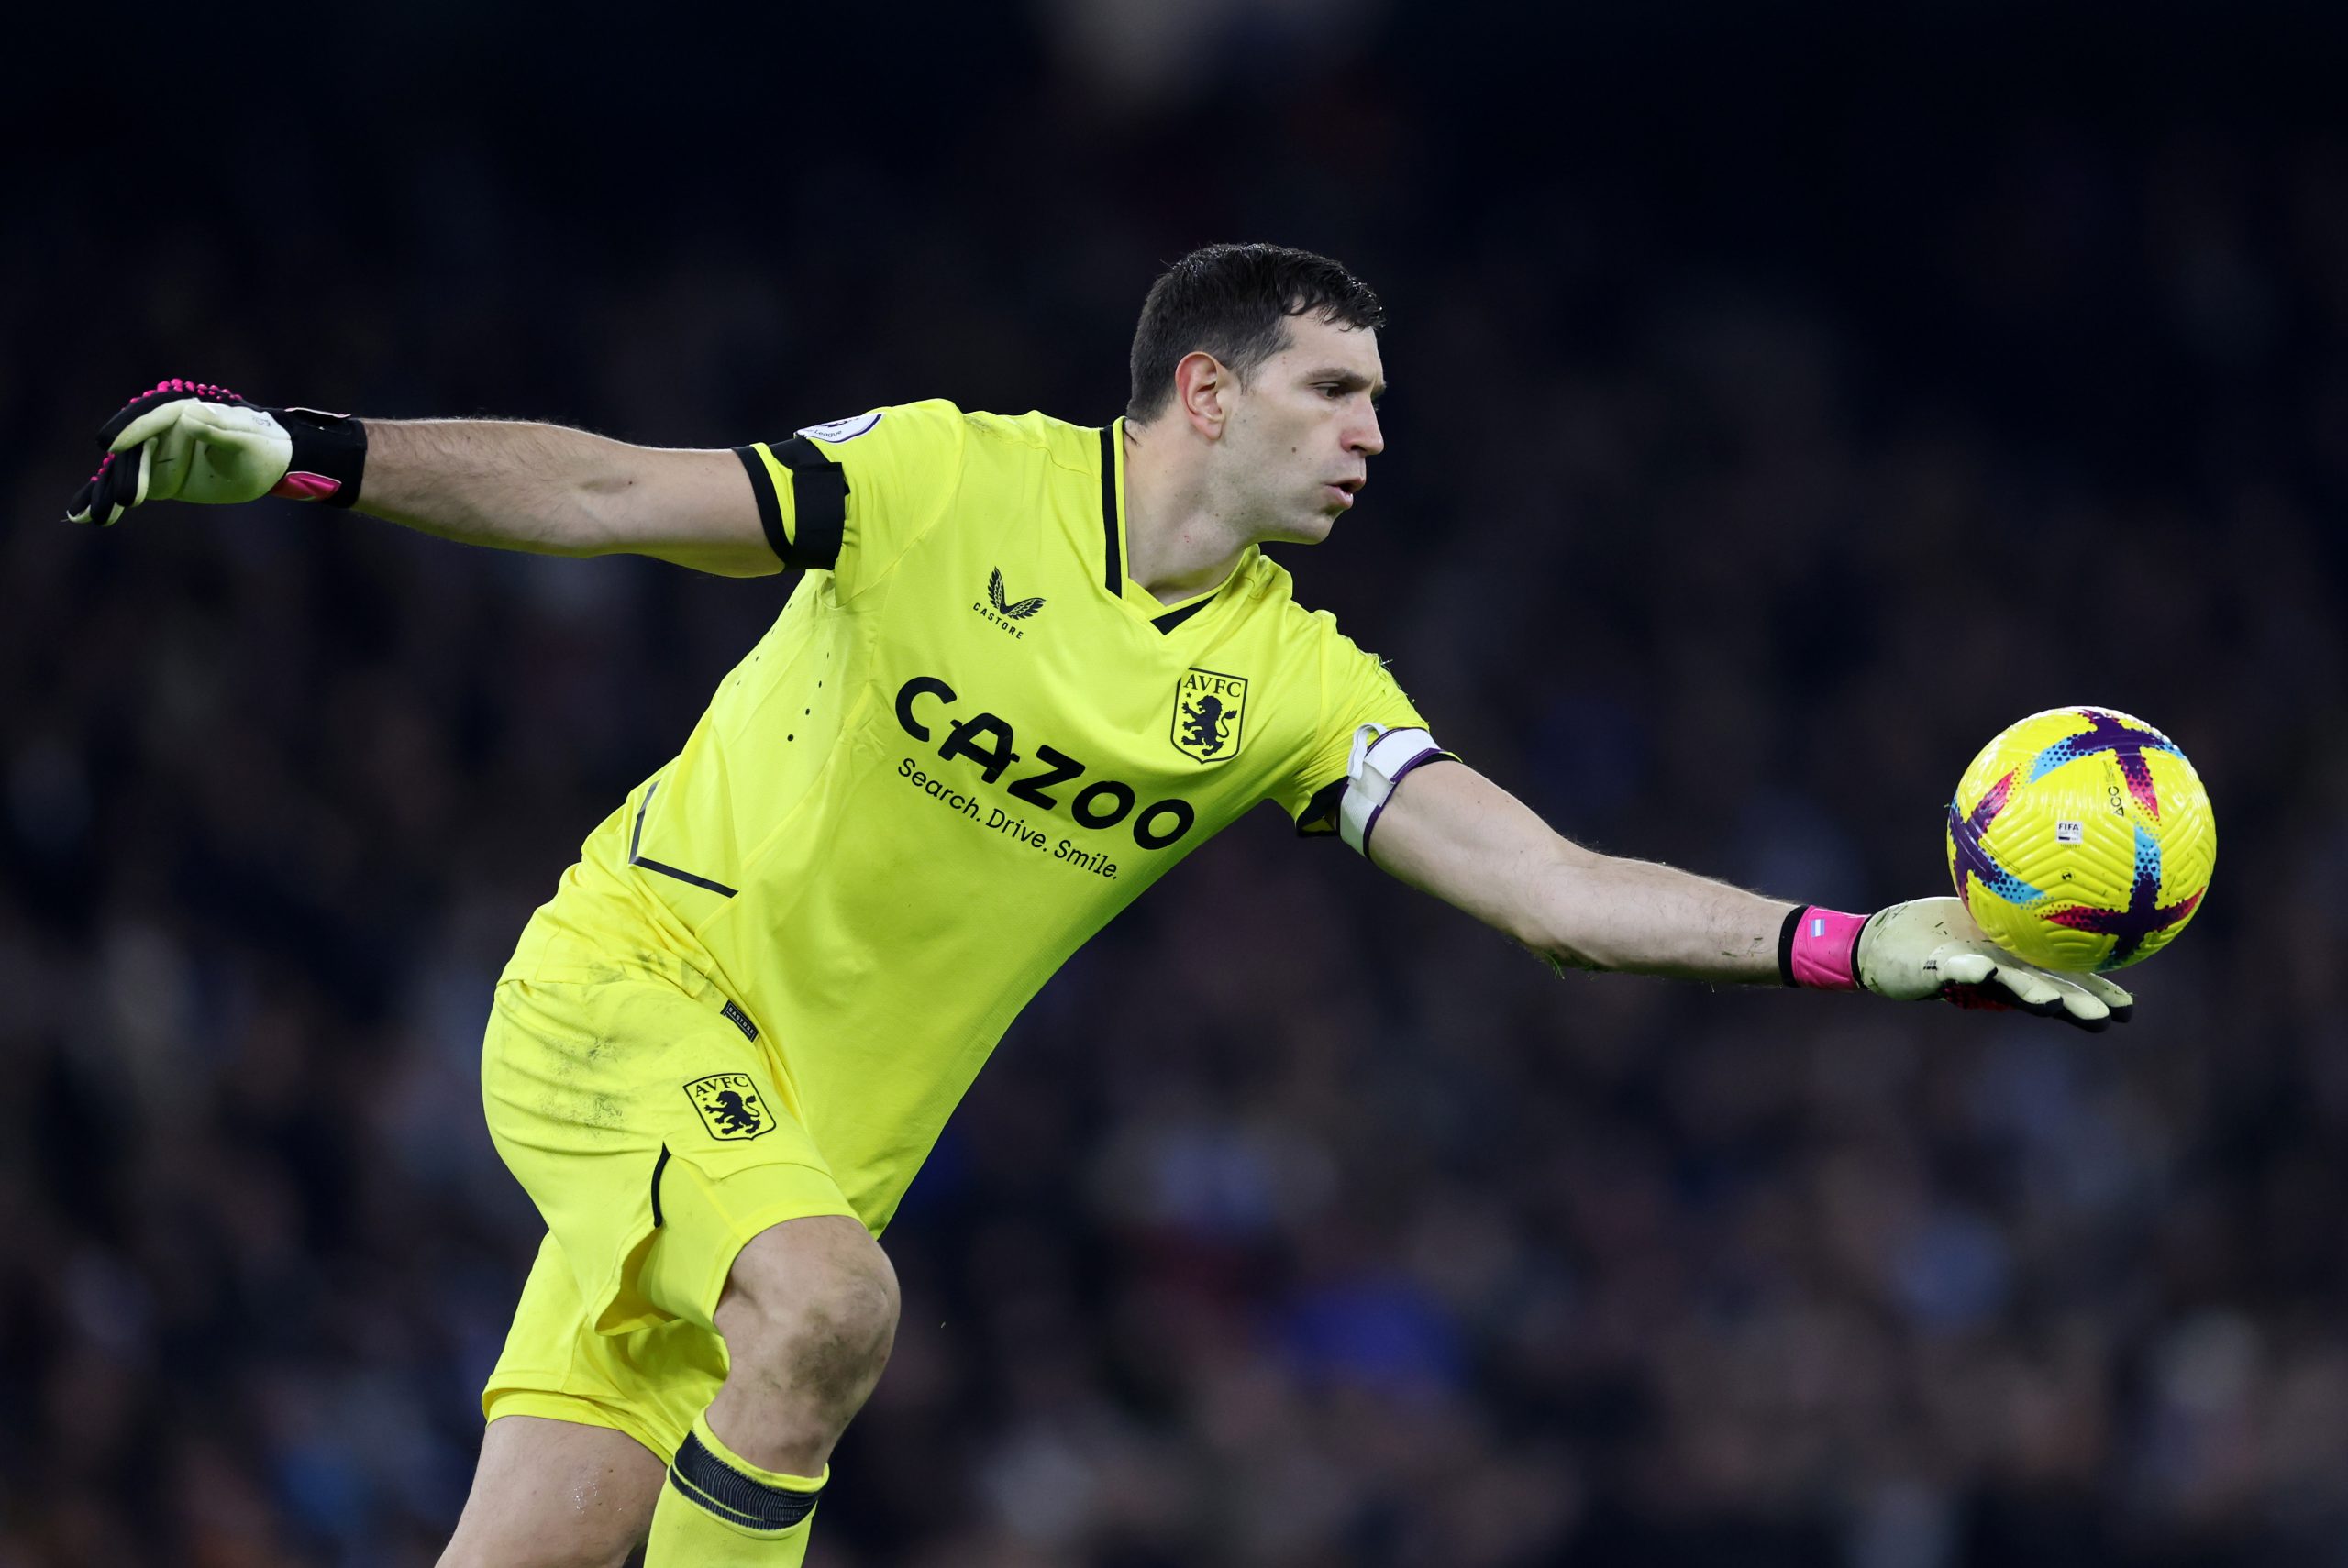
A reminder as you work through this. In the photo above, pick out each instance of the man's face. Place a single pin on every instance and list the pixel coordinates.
(1303, 430)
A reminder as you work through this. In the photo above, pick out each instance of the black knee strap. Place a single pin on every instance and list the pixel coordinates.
(733, 1497)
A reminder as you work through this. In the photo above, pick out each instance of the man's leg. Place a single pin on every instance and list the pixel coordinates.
(555, 1495)
(808, 1314)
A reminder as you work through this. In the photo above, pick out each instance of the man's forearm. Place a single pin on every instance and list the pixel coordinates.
(552, 491)
(510, 485)
(1598, 912)
(1456, 834)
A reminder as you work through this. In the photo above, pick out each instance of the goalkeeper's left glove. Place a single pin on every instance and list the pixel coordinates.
(192, 441)
(1930, 947)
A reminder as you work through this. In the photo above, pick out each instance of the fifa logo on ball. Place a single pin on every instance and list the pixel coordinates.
(2081, 838)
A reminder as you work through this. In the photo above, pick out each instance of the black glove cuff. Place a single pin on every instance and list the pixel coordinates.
(329, 456)
(1786, 943)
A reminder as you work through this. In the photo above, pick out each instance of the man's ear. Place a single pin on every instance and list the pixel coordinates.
(1203, 389)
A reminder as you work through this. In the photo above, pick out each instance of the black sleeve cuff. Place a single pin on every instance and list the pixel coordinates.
(769, 503)
(819, 505)
(1319, 818)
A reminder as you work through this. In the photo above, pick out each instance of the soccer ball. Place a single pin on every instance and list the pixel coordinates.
(2081, 839)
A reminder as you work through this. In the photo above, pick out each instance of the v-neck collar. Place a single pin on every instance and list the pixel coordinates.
(1113, 577)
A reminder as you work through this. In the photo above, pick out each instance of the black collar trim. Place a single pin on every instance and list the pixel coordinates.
(1173, 618)
(1114, 555)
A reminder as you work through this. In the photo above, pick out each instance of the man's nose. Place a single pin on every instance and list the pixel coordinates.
(1367, 437)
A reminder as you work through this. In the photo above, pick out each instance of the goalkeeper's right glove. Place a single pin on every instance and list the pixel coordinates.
(192, 441)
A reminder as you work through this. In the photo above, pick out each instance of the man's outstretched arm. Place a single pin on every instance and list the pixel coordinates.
(1448, 830)
(553, 491)
(513, 486)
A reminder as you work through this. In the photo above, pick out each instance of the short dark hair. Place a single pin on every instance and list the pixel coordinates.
(1235, 302)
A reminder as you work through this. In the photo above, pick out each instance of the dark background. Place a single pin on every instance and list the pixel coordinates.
(1784, 400)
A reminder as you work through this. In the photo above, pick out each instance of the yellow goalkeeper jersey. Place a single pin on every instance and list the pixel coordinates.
(967, 741)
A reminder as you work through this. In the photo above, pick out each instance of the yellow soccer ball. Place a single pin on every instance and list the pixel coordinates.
(2081, 839)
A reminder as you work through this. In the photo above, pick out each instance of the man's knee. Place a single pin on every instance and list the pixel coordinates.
(809, 1313)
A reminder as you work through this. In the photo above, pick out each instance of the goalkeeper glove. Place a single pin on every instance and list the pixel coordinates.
(192, 441)
(1930, 947)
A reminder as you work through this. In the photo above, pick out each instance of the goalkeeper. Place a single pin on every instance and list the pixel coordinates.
(1030, 666)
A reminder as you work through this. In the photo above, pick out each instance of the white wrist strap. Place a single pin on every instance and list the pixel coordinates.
(1381, 757)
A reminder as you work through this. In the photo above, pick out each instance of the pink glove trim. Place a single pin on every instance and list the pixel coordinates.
(1823, 953)
(305, 487)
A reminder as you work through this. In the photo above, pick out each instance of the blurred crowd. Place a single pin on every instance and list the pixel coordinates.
(1745, 475)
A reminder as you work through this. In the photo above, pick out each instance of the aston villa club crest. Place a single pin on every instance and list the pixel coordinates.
(730, 1107)
(1209, 711)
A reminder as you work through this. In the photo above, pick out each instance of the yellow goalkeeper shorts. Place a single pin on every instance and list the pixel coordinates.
(656, 1135)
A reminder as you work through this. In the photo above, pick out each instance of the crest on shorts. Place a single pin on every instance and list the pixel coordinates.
(730, 1107)
(1209, 710)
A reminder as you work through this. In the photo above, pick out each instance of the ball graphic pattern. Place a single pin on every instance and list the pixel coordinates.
(2081, 838)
